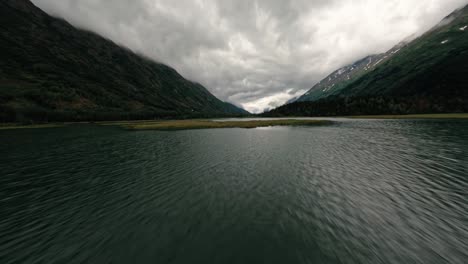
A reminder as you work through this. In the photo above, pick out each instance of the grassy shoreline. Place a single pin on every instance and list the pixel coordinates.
(209, 124)
(10, 126)
(416, 116)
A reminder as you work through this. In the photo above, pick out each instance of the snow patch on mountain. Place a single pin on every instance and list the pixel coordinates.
(379, 61)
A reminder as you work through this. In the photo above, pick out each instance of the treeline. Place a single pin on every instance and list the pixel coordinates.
(373, 105)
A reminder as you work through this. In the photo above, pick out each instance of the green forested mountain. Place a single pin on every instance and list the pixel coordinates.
(339, 79)
(51, 71)
(426, 75)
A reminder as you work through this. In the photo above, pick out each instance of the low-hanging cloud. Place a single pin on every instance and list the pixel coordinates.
(257, 54)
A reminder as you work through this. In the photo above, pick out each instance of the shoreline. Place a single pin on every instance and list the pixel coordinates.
(13, 126)
(209, 123)
(413, 116)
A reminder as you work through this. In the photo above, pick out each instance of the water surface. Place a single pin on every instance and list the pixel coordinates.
(359, 191)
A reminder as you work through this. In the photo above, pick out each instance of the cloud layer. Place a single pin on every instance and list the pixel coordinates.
(254, 53)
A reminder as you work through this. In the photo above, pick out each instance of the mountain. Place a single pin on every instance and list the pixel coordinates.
(426, 75)
(339, 79)
(51, 71)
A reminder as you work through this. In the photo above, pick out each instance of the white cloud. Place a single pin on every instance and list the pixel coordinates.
(257, 54)
(272, 101)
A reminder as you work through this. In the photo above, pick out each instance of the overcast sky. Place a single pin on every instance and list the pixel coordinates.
(254, 53)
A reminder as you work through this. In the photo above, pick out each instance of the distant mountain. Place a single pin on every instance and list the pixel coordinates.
(51, 71)
(426, 75)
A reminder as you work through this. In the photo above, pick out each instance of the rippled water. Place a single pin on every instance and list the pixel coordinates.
(355, 192)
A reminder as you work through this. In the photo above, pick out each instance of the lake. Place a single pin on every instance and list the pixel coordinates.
(358, 191)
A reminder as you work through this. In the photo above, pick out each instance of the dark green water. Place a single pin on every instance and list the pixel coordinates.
(355, 192)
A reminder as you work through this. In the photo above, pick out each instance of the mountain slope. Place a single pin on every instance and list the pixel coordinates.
(433, 64)
(427, 75)
(51, 71)
(336, 81)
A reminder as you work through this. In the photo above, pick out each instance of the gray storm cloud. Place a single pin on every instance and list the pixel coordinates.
(255, 54)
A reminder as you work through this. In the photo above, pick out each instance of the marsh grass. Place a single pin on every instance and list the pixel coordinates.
(209, 124)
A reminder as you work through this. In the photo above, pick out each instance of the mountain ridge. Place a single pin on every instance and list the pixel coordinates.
(52, 71)
(338, 79)
(427, 75)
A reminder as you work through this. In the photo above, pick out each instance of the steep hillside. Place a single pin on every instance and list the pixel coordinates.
(340, 78)
(427, 75)
(51, 71)
(433, 64)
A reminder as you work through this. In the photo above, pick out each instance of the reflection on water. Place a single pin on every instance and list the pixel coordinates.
(355, 192)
